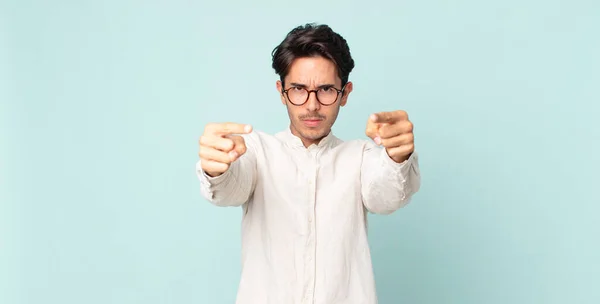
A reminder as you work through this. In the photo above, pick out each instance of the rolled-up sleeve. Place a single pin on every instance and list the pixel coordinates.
(387, 186)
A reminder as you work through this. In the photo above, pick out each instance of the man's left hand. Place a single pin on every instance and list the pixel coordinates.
(393, 131)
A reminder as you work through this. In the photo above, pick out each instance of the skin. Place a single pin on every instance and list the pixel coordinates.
(393, 131)
(221, 143)
(312, 73)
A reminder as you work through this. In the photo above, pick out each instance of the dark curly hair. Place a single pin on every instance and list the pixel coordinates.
(313, 40)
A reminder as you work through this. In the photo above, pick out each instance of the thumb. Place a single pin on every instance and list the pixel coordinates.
(372, 131)
(239, 146)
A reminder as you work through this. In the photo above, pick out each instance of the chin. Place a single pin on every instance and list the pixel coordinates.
(314, 134)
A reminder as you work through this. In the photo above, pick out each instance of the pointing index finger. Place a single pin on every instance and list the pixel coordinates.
(388, 117)
(233, 128)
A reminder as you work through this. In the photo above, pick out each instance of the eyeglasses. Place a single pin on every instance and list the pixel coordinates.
(325, 96)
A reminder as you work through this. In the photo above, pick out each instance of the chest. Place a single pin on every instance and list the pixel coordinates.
(303, 175)
(297, 190)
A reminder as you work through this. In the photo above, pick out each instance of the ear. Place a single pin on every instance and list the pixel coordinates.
(279, 87)
(347, 91)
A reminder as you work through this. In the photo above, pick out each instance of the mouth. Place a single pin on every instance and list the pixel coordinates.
(312, 122)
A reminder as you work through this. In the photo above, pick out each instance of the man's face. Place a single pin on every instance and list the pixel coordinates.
(312, 120)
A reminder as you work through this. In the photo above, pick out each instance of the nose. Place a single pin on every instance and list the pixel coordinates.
(312, 103)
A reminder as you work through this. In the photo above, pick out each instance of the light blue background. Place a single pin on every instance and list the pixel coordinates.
(103, 103)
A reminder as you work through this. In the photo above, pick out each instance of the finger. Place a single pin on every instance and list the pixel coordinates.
(388, 117)
(405, 126)
(219, 143)
(232, 128)
(213, 168)
(239, 146)
(372, 130)
(401, 150)
(213, 154)
(391, 130)
(397, 141)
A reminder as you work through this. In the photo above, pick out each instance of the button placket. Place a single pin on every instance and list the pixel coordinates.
(311, 250)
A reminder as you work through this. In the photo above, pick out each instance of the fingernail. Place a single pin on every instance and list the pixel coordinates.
(233, 154)
(248, 128)
(373, 117)
(377, 140)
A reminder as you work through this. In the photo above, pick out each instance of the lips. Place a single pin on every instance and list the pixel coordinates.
(312, 122)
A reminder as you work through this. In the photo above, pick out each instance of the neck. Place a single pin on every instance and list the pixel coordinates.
(307, 142)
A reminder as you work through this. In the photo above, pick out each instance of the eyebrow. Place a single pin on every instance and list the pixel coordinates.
(295, 84)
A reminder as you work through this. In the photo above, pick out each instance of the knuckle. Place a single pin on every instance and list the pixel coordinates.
(224, 158)
(202, 140)
(209, 127)
(384, 131)
(202, 157)
(228, 145)
(206, 164)
(225, 127)
(370, 130)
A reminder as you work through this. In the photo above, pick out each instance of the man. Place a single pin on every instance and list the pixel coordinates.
(305, 194)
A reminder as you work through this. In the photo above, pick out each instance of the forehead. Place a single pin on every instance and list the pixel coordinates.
(313, 71)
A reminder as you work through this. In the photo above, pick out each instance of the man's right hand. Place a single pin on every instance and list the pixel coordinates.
(219, 146)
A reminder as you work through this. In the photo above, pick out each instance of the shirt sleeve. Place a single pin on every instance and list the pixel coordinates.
(236, 185)
(387, 186)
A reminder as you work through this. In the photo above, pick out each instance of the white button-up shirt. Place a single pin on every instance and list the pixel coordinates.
(304, 223)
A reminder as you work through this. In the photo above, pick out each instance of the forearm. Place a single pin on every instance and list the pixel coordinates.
(232, 188)
(386, 185)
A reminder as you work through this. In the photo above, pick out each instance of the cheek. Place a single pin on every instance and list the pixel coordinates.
(293, 112)
(332, 113)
